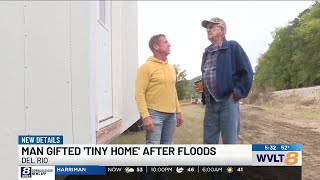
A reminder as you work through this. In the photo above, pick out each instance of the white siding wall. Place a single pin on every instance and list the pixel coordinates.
(125, 60)
(44, 64)
(130, 62)
(84, 125)
(47, 66)
(48, 75)
(12, 114)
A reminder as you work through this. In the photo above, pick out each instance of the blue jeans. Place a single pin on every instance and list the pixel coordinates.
(221, 117)
(164, 126)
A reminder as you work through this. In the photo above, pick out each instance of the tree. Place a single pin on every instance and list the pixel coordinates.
(182, 82)
(293, 58)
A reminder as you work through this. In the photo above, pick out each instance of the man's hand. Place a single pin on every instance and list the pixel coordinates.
(196, 88)
(231, 96)
(148, 124)
(179, 119)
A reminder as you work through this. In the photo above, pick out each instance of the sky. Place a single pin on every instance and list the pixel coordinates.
(250, 23)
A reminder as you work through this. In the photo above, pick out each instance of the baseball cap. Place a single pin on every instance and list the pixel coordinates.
(215, 20)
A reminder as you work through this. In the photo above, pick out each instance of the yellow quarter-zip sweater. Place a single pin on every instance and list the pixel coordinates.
(156, 87)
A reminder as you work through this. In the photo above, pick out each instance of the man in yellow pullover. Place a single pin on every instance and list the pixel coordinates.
(156, 94)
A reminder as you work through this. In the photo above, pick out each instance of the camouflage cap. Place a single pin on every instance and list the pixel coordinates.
(215, 20)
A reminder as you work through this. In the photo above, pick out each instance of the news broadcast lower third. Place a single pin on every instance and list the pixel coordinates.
(48, 158)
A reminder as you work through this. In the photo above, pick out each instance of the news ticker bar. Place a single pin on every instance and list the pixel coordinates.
(265, 172)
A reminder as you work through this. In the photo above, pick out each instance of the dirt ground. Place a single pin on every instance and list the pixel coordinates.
(267, 124)
(287, 124)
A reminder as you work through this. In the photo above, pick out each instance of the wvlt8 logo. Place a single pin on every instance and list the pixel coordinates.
(26, 172)
(290, 158)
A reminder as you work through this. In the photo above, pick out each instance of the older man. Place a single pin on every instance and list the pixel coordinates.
(227, 77)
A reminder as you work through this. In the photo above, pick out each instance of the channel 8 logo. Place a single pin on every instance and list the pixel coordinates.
(289, 158)
(25, 172)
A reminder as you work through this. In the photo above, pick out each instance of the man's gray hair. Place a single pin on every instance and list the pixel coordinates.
(155, 40)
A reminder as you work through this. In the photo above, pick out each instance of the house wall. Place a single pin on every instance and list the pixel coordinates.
(130, 62)
(48, 76)
(12, 79)
(82, 53)
(47, 49)
(35, 62)
(125, 59)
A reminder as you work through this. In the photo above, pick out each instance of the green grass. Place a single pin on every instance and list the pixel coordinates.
(191, 132)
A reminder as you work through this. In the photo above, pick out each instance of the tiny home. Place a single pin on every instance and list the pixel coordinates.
(67, 68)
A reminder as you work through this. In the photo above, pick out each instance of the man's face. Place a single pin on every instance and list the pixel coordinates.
(214, 31)
(163, 46)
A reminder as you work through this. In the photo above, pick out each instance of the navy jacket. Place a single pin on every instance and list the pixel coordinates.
(233, 73)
